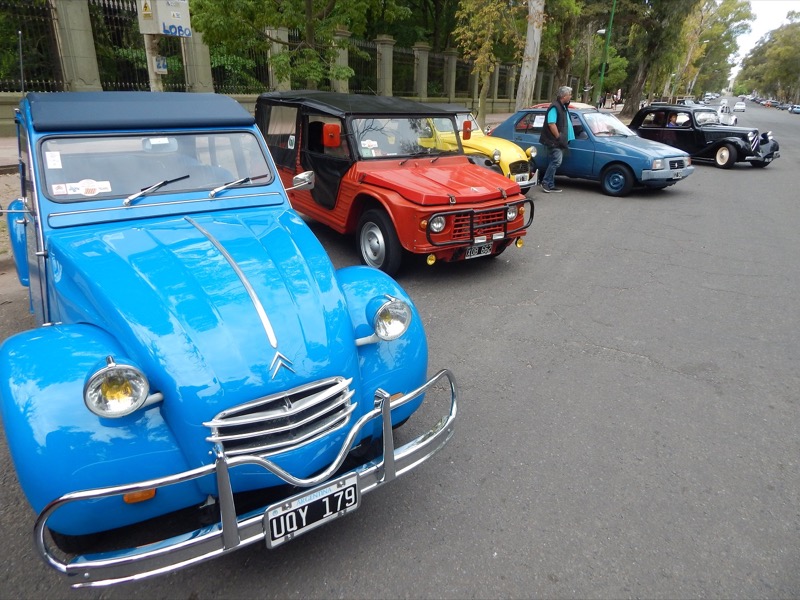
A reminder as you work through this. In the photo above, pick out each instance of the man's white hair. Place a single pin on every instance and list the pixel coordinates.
(564, 90)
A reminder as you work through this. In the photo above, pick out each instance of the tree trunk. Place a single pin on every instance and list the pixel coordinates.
(634, 95)
(530, 58)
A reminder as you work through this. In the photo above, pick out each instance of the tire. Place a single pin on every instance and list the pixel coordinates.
(725, 156)
(378, 243)
(617, 180)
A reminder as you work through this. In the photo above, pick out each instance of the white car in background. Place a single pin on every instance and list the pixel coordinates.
(739, 106)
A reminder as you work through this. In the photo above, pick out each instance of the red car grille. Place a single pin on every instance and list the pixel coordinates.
(466, 225)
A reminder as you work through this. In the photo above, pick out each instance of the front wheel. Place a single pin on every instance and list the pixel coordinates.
(378, 241)
(725, 156)
(617, 180)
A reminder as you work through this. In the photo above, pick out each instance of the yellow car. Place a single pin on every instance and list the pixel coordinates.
(493, 153)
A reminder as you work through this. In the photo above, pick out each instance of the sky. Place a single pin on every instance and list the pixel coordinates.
(770, 14)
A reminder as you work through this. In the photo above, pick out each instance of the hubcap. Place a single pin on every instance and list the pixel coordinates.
(722, 155)
(373, 248)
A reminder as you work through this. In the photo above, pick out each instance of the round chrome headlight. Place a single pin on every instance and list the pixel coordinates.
(437, 224)
(511, 213)
(392, 319)
(496, 156)
(115, 390)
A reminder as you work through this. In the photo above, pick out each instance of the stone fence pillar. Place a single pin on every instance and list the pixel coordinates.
(281, 35)
(450, 61)
(75, 40)
(385, 51)
(421, 53)
(197, 64)
(340, 39)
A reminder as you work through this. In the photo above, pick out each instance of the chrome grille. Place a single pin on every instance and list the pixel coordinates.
(519, 168)
(285, 421)
(755, 143)
(467, 224)
(676, 163)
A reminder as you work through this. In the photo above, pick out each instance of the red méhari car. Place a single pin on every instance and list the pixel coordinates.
(383, 174)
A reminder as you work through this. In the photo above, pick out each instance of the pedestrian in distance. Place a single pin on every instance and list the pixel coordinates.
(556, 135)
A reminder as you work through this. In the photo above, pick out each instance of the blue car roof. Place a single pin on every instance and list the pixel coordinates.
(104, 111)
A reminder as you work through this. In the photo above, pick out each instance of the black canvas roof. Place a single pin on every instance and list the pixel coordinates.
(341, 105)
(101, 111)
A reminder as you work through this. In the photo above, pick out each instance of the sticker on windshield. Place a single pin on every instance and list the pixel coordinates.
(53, 160)
(85, 187)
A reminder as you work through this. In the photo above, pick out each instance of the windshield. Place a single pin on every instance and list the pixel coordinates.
(399, 136)
(606, 124)
(90, 168)
(706, 117)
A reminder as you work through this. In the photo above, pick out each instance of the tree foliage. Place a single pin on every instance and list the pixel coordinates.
(483, 27)
(772, 69)
(245, 24)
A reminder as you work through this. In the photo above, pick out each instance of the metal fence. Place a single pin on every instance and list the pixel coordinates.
(28, 47)
(122, 61)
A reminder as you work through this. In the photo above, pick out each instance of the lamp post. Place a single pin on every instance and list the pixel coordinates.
(605, 49)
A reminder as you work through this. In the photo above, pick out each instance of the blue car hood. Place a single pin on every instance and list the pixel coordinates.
(635, 145)
(169, 292)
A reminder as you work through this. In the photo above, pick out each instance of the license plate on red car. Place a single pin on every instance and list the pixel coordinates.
(297, 515)
(479, 250)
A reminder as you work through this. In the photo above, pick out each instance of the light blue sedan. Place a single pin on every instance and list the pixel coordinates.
(603, 150)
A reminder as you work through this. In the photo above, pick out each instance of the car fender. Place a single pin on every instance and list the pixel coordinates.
(741, 146)
(59, 446)
(395, 366)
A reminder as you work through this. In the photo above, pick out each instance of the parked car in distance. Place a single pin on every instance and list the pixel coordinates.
(381, 176)
(201, 378)
(795, 109)
(701, 134)
(493, 153)
(603, 150)
(726, 116)
(739, 107)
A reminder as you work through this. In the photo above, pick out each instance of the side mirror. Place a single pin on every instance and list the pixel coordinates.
(331, 135)
(467, 130)
(302, 181)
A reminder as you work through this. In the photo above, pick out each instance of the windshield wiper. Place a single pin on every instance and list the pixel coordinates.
(235, 183)
(152, 188)
(442, 153)
(424, 152)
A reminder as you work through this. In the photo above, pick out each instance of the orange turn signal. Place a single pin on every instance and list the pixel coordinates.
(141, 496)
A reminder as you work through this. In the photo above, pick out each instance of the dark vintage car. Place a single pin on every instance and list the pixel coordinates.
(603, 150)
(699, 131)
(201, 377)
(384, 173)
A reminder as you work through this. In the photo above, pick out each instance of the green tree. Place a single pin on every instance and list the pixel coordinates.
(482, 27)
(245, 24)
(771, 68)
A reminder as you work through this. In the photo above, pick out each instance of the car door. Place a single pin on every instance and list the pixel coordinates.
(579, 159)
(527, 131)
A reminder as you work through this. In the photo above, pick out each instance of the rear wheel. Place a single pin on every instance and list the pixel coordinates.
(617, 180)
(378, 242)
(725, 156)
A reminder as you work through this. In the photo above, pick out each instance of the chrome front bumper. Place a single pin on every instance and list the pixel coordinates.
(234, 532)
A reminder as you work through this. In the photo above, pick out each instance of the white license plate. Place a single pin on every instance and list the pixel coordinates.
(480, 250)
(297, 515)
(521, 178)
(678, 174)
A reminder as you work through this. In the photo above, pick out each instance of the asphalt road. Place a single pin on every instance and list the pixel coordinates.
(629, 414)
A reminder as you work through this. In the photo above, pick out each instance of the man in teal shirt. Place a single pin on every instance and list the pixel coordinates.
(556, 135)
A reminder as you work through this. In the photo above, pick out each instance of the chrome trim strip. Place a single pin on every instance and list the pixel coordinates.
(211, 541)
(262, 314)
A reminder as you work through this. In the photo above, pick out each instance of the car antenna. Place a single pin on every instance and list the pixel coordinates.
(21, 65)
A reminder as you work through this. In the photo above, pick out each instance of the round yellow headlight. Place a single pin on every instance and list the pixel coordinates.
(115, 390)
